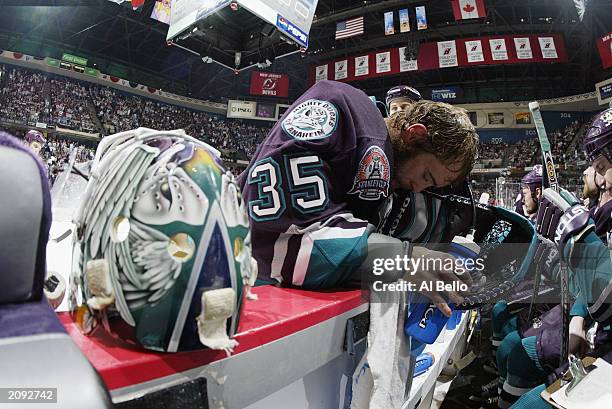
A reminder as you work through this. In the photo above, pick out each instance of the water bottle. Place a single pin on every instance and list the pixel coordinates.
(423, 363)
(425, 321)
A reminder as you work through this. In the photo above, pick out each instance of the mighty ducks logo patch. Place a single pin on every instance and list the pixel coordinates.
(312, 119)
(373, 174)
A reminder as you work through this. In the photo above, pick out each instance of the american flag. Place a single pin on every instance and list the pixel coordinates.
(349, 28)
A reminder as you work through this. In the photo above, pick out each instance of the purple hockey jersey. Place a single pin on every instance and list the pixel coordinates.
(314, 183)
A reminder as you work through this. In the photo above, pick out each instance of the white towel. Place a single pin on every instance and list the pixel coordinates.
(385, 370)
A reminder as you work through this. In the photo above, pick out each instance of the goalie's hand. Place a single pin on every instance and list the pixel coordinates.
(562, 219)
(427, 271)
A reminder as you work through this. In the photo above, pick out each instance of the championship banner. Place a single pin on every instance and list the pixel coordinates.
(499, 52)
(523, 48)
(362, 65)
(490, 50)
(389, 29)
(474, 51)
(447, 54)
(321, 73)
(405, 63)
(383, 62)
(421, 18)
(604, 45)
(341, 70)
(547, 46)
(269, 84)
(404, 21)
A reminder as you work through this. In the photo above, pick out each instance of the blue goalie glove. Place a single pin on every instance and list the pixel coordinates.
(563, 220)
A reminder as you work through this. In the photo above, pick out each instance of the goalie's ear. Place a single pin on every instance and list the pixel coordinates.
(414, 132)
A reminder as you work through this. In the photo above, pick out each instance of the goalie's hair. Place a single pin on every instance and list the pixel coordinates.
(451, 136)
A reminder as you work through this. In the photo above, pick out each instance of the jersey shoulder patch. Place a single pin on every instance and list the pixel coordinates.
(373, 175)
(312, 119)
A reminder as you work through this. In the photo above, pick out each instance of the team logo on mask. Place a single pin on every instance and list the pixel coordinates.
(312, 119)
(373, 174)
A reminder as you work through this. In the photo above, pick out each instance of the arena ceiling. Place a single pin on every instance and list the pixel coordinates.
(131, 45)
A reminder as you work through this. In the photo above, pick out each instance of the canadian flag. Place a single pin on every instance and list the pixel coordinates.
(466, 9)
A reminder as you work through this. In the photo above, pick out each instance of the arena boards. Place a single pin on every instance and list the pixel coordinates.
(286, 336)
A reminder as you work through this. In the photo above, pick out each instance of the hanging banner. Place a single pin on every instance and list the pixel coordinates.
(389, 29)
(269, 84)
(341, 70)
(547, 46)
(467, 9)
(523, 48)
(421, 18)
(432, 55)
(362, 65)
(604, 45)
(405, 63)
(404, 21)
(474, 51)
(321, 73)
(499, 52)
(383, 62)
(447, 54)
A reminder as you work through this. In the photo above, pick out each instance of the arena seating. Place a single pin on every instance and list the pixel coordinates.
(28, 97)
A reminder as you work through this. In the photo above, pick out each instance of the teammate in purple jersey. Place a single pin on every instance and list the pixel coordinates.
(584, 238)
(315, 183)
(531, 191)
(401, 98)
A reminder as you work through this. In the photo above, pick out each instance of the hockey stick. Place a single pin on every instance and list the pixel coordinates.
(550, 181)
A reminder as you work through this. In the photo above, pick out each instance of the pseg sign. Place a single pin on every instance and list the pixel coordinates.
(241, 109)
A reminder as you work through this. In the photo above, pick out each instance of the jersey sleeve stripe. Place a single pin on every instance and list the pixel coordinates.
(304, 255)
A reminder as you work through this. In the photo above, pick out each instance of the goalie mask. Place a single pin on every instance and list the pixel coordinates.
(35, 140)
(162, 249)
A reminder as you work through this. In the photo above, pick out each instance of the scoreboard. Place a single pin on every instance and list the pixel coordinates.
(293, 18)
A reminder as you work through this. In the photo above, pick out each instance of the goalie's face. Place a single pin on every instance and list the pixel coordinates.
(422, 170)
(415, 168)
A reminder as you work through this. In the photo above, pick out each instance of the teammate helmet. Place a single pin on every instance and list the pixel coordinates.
(402, 91)
(533, 179)
(35, 136)
(162, 247)
(598, 138)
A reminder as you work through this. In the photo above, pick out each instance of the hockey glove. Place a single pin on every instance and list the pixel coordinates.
(563, 220)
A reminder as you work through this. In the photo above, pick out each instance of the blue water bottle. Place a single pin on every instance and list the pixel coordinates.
(423, 363)
(425, 321)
